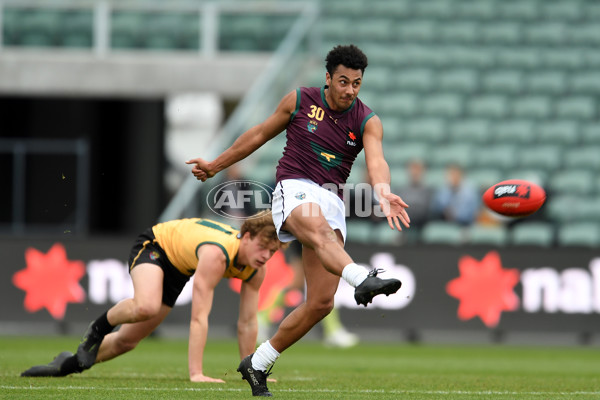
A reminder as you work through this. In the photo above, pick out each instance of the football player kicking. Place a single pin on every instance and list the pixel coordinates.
(162, 260)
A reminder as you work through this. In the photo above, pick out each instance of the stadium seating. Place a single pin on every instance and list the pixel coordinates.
(508, 89)
(446, 233)
(532, 234)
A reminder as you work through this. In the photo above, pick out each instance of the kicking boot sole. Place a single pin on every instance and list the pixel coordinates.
(367, 297)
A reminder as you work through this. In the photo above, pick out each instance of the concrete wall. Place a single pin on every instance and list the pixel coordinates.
(130, 74)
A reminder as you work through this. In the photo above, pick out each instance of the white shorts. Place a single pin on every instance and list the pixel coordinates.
(290, 193)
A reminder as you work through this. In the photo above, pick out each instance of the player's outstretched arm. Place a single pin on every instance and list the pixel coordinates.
(210, 269)
(393, 207)
(247, 325)
(248, 142)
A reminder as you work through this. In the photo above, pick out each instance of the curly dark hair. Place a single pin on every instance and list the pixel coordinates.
(349, 56)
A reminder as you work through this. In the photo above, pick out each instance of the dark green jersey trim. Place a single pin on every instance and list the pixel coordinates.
(227, 259)
(251, 276)
(362, 126)
(297, 105)
(327, 105)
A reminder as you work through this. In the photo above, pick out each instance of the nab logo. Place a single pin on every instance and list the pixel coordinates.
(352, 137)
(233, 199)
(520, 191)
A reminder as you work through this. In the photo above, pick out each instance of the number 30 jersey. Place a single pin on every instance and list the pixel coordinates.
(322, 143)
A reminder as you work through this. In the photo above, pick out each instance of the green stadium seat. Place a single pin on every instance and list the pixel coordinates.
(452, 153)
(441, 232)
(433, 9)
(538, 176)
(395, 9)
(383, 235)
(561, 10)
(413, 79)
(490, 105)
(544, 156)
(519, 57)
(501, 33)
(586, 34)
(469, 56)
(458, 32)
(336, 27)
(585, 234)
(377, 78)
(474, 131)
(532, 106)
(499, 156)
(581, 107)
(458, 80)
(476, 9)
(483, 178)
(447, 105)
(546, 82)
(415, 31)
(359, 230)
(523, 10)
(401, 104)
(546, 33)
(404, 152)
(588, 208)
(373, 29)
(562, 207)
(393, 128)
(572, 181)
(563, 132)
(560, 57)
(429, 130)
(435, 176)
(585, 157)
(590, 133)
(520, 131)
(585, 82)
(488, 235)
(502, 81)
(126, 29)
(532, 234)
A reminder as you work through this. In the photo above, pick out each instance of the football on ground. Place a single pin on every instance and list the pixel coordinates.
(514, 198)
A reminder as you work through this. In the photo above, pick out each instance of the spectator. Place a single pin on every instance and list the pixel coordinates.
(458, 200)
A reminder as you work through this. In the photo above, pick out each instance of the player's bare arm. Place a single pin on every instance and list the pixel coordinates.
(210, 269)
(247, 325)
(248, 142)
(392, 205)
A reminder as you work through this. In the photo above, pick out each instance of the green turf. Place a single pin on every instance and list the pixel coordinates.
(157, 369)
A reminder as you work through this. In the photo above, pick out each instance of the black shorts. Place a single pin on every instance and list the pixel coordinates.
(147, 251)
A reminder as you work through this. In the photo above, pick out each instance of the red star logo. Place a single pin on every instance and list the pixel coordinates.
(484, 289)
(352, 135)
(50, 280)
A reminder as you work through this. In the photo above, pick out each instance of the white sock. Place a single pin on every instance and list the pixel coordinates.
(264, 356)
(354, 274)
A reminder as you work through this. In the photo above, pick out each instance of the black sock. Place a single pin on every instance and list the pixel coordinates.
(102, 326)
(70, 365)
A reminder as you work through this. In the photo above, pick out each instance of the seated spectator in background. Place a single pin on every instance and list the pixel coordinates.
(457, 201)
(417, 193)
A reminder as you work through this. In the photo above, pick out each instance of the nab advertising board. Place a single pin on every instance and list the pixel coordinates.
(480, 289)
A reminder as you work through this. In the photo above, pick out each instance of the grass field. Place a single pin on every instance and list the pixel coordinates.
(157, 369)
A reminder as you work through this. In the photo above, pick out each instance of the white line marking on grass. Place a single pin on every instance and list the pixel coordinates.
(206, 389)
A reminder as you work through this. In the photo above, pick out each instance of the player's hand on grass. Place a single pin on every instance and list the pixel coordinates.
(272, 380)
(204, 378)
(394, 208)
(201, 169)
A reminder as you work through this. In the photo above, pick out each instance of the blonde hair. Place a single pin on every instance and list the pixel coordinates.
(262, 224)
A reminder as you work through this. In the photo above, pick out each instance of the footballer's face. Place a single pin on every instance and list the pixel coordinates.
(344, 85)
(255, 251)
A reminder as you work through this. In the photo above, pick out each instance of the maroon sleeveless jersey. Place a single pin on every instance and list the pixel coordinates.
(321, 143)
